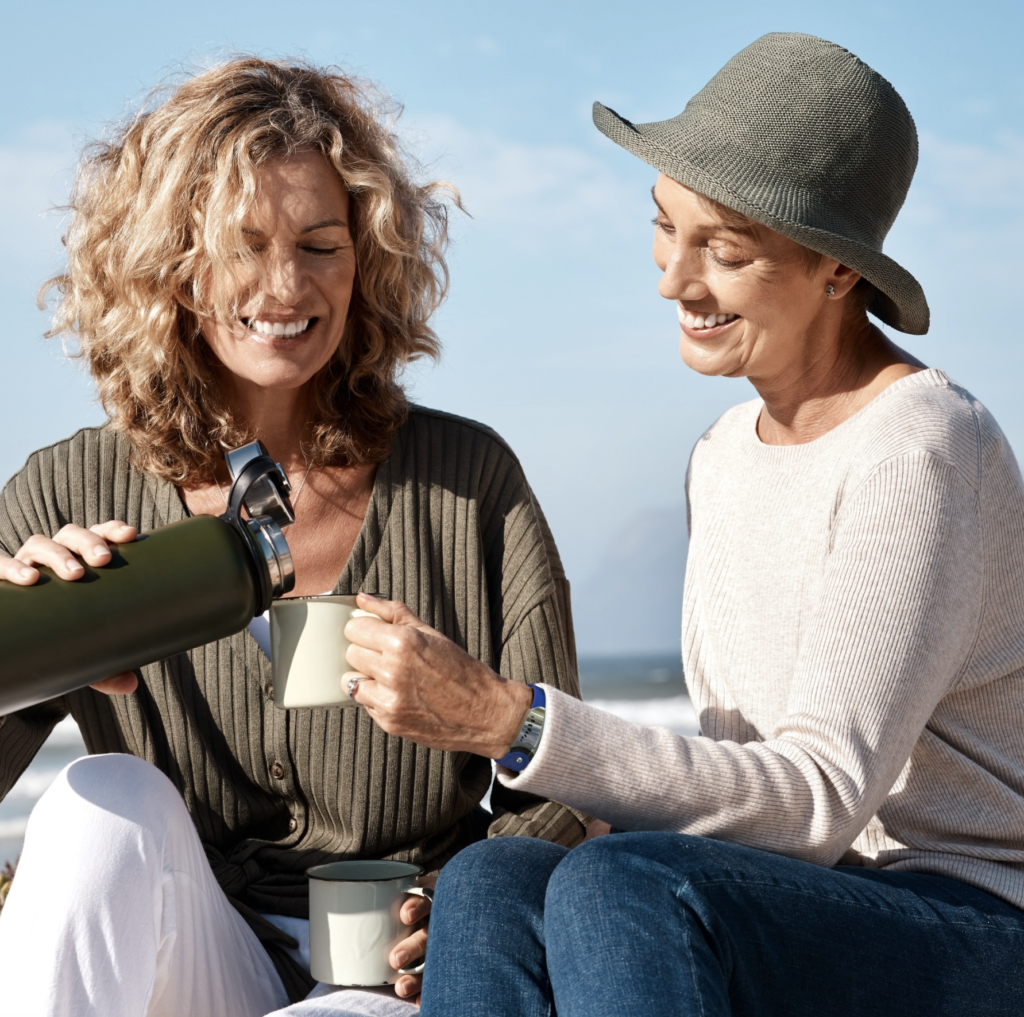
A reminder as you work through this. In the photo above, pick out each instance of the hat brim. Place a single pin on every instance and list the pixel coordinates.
(898, 300)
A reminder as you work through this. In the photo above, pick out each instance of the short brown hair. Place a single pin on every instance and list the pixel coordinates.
(161, 204)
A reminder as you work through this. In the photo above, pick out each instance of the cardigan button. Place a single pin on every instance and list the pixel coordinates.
(293, 825)
(276, 771)
(270, 691)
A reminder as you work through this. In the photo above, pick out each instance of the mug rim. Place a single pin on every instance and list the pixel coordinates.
(311, 872)
(313, 596)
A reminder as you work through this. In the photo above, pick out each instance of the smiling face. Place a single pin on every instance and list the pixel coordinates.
(292, 306)
(751, 302)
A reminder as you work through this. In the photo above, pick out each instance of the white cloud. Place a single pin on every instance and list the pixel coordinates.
(985, 175)
(956, 177)
(551, 188)
(961, 226)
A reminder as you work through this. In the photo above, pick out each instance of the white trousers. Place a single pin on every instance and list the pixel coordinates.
(115, 912)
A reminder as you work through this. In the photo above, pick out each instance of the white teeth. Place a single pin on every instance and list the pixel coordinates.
(275, 328)
(691, 321)
(701, 321)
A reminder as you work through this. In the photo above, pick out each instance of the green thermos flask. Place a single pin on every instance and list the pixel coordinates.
(175, 588)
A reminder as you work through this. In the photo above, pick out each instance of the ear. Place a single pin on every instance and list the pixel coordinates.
(842, 280)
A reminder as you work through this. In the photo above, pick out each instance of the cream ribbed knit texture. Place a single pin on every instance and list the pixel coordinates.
(853, 639)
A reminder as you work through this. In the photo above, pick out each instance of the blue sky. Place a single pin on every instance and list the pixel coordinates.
(554, 333)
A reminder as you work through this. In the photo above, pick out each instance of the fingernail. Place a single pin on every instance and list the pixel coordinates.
(123, 527)
(372, 596)
(25, 573)
(74, 567)
(402, 957)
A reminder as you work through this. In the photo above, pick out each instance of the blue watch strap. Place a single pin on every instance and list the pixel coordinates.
(526, 741)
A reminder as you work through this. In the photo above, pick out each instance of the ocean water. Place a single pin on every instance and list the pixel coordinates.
(646, 690)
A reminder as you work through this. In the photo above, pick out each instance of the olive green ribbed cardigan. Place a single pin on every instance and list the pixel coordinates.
(453, 530)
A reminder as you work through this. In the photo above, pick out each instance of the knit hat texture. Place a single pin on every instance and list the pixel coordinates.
(803, 137)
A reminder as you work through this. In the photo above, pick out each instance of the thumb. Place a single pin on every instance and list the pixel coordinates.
(393, 611)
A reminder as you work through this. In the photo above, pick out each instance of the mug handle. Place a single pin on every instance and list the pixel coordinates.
(418, 891)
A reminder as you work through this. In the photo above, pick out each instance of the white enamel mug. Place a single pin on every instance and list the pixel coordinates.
(354, 920)
(307, 649)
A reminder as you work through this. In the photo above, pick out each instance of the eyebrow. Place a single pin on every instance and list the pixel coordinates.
(312, 228)
(743, 231)
(324, 223)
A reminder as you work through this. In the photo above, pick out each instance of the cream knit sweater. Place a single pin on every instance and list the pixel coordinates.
(853, 639)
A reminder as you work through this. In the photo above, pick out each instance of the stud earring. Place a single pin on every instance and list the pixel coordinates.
(829, 291)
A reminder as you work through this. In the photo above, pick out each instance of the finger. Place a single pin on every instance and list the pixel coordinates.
(14, 571)
(120, 685)
(414, 910)
(410, 950)
(408, 986)
(115, 531)
(39, 550)
(366, 661)
(393, 611)
(350, 682)
(372, 633)
(85, 543)
(364, 691)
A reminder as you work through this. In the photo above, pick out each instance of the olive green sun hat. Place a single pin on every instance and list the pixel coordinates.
(803, 137)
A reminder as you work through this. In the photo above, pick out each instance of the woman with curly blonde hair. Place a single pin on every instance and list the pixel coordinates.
(252, 259)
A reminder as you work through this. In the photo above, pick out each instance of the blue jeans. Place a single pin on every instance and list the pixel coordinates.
(645, 924)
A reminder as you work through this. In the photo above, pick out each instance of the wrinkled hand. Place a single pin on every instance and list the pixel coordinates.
(58, 553)
(411, 950)
(417, 684)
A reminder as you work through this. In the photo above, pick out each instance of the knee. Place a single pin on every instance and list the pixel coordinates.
(501, 862)
(111, 785)
(504, 874)
(690, 870)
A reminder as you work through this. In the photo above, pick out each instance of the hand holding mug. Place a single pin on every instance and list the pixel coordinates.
(418, 684)
(411, 951)
(359, 913)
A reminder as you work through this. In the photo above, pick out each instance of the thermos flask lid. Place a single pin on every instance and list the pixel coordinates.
(261, 486)
(276, 554)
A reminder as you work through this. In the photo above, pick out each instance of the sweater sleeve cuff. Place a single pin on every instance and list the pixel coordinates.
(564, 751)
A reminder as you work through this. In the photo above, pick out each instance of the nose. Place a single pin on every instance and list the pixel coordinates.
(682, 277)
(285, 281)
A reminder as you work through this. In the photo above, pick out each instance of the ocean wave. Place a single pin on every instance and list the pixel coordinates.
(676, 713)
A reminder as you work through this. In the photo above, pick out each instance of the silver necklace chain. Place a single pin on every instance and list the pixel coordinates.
(294, 497)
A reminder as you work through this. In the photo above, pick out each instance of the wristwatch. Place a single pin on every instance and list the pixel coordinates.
(524, 746)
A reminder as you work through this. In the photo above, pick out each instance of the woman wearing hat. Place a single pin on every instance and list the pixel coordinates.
(846, 835)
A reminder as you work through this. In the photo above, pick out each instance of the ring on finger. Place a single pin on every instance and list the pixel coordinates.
(353, 684)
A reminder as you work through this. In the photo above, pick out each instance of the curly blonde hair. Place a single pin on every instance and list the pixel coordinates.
(159, 207)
